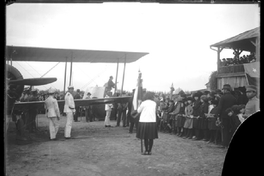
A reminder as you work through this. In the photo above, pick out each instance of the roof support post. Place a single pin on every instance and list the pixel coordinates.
(218, 57)
(123, 77)
(65, 73)
(117, 67)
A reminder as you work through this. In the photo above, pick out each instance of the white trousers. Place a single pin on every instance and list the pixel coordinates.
(53, 127)
(68, 127)
(107, 117)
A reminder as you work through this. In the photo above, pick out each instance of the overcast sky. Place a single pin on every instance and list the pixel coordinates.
(176, 36)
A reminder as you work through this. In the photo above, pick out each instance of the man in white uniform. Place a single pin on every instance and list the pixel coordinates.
(108, 110)
(52, 113)
(69, 109)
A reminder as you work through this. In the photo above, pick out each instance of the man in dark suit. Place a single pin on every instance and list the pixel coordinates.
(227, 100)
(77, 114)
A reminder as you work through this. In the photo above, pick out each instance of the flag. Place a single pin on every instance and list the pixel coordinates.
(252, 72)
(172, 88)
(252, 69)
(138, 94)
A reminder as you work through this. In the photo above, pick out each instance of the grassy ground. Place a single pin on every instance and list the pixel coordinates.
(99, 151)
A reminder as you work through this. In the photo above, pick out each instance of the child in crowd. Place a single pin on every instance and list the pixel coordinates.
(188, 124)
(241, 113)
(235, 121)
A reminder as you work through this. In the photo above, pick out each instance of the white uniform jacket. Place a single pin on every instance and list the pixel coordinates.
(108, 107)
(52, 108)
(69, 105)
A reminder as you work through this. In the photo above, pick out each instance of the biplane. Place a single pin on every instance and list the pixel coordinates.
(15, 82)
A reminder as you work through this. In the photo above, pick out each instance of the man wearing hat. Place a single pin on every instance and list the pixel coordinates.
(69, 109)
(252, 105)
(52, 113)
(227, 100)
(88, 109)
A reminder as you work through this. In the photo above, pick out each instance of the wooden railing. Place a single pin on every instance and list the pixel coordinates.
(231, 69)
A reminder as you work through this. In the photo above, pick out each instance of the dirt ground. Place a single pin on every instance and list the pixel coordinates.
(99, 151)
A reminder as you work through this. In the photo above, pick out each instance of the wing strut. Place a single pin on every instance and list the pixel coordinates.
(70, 83)
(116, 75)
(123, 77)
(65, 73)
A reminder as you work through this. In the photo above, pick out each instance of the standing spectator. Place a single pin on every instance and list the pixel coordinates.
(226, 101)
(235, 122)
(133, 119)
(52, 113)
(243, 99)
(202, 118)
(108, 110)
(229, 124)
(180, 118)
(211, 116)
(88, 109)
(77, 113)
(188, 124)
(69, 109)
(124, 114)
(196, 111)
(168, 120)
(175, 112)
(252, 105)
(32, 112)
(119, 114)
(147, 127)
(163, 105)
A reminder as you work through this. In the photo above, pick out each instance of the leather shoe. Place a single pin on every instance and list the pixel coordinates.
(145, 153)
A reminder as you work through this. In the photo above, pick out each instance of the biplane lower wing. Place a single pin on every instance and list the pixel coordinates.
(23, 106)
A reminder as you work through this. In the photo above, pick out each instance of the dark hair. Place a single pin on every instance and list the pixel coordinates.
(215, 102)
(228, 110)
(148, 96)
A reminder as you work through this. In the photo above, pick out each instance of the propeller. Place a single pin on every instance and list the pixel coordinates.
(32, 81)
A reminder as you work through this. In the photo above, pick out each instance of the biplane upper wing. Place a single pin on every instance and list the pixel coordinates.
(21, 106)
(25, 53)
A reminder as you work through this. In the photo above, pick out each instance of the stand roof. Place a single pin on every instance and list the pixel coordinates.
(241, 41)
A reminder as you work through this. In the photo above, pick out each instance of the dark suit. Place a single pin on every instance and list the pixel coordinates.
(226, 101)
(77, 113)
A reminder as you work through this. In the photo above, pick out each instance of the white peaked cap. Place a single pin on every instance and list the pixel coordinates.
(51, 90)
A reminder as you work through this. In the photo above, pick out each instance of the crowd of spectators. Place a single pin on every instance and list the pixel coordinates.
(196, 116)
(238, 60)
